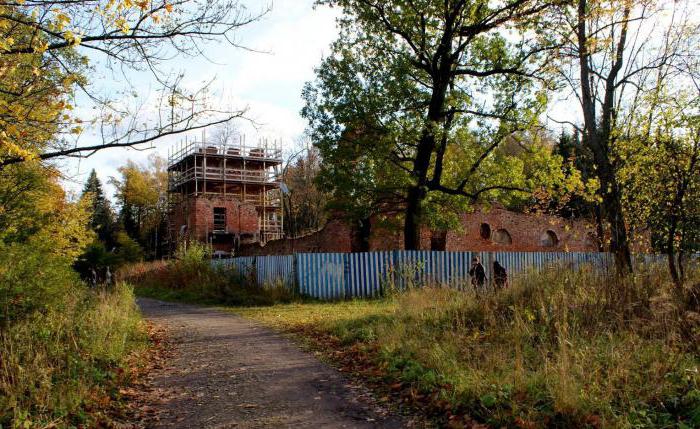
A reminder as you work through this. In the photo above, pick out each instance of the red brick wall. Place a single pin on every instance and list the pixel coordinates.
(525, 231)
(390, 237)
(336, 236)
(198, 215)
(239, 217)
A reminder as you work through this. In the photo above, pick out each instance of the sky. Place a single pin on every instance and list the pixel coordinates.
(291, 39)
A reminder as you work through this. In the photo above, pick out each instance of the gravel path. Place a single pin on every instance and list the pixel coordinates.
(227, 371)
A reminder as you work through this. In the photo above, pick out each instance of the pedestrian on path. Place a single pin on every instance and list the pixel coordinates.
(477, 273)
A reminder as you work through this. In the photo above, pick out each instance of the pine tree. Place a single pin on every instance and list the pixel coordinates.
(102, 218)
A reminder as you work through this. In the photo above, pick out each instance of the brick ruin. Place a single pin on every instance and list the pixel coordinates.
(224, 194)
(494, 229)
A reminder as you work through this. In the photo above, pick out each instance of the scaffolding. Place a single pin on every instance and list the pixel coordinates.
(249, 173)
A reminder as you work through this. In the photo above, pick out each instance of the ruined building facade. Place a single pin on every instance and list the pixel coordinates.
(225, 194)
(487, 229)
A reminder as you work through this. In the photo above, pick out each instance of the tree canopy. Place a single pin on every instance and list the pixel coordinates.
(417, 96)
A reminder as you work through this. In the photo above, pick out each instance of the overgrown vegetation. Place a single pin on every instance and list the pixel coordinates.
(191, 277)
(64, 347)
(558, 349)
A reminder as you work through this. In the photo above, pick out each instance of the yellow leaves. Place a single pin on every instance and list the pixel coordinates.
(62, 19)
(67, 232)
(11, 149)
(6, 43)
(72, 38)
(122, 24)
(41, 47)
(169, 7)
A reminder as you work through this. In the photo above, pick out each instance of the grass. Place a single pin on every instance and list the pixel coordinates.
(62, 367)
(558, 349)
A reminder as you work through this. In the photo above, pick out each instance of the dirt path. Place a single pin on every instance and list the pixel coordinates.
(227, 371)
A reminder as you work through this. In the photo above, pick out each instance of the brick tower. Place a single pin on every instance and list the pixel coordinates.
(224, 194)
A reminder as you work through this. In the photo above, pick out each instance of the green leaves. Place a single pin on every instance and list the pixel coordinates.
(419, 93)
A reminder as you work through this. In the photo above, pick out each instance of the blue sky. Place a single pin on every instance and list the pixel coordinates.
(293, 37)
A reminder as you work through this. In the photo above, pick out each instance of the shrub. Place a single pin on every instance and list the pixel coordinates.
(32, 281)
(128, 250)
(61, 343)
(191, 276)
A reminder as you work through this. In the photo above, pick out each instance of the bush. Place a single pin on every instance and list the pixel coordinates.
(95, 256)
(32, 281)
(128, 250)
(191, 276)
(61, 344)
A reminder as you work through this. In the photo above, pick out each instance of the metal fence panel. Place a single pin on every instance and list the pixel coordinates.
(275, 268)
(244, 265)
(367, 273)
(321, 275)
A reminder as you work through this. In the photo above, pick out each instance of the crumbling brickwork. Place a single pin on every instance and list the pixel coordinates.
(336, 236)
(495, 229)
(193, 218)
(487, 231)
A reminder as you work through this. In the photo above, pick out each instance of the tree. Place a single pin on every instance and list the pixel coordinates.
(142, 197)
(101, 217)
(614, 54)
(305, 203)
(410, 84)
(47, 48)
(664, 143)
(28, 193)
(578, 159)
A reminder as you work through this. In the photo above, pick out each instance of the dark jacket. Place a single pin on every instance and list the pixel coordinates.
(500, 276)
(478, 275)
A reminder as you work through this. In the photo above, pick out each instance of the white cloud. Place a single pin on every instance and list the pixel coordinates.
(294, 37)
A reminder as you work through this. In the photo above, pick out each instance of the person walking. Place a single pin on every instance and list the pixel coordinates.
(108, 277)
(500, 276)
(93, 278)
(477, 273)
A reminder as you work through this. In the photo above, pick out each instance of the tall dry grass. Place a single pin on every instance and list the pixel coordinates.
(559, 348)
(57, 364)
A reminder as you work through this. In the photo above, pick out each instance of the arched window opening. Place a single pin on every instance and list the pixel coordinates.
(485, 231)
(549, 239)
(501, 236)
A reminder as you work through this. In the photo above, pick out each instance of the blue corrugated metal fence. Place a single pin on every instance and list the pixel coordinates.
(346, 275)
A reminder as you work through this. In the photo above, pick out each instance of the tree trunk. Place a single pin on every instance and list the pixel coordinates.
(421, 164)
(411, 230)
(670, 252)
(600, 231)
(363, 233)
(598, 135)
(612, 209)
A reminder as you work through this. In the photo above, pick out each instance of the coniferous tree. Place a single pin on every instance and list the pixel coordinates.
(102, 218)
